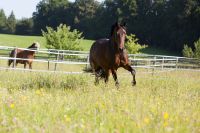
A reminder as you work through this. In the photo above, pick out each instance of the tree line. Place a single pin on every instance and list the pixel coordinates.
(10, 25)
(166, 24)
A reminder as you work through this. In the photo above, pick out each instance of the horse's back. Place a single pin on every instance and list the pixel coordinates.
(99, 47)
(98, 52)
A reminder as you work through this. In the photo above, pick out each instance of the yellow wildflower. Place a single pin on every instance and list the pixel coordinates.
(187, 119)
(165, 124)
(67, 118)
(146, 120)
(24, 98)
(42, 89)
(138, 125)
(12, 105)
(165, 115)
(103, 106)
(38, 92)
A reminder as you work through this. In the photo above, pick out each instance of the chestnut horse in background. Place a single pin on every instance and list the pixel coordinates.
(107, 55)
(25, 54)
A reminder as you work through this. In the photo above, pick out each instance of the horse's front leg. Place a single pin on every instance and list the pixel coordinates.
(107, 74)
(25, 65)
(114, 73)
(133, 72)
(30, 65)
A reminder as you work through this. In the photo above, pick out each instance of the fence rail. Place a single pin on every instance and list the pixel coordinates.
(69, 57)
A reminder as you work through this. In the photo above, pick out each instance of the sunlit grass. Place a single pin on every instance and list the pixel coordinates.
(20, 41)
(40, 102)
(25, 41)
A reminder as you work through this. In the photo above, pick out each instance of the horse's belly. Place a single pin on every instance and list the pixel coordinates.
(20, 61)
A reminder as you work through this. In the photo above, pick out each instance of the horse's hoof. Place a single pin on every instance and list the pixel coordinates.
(96, 83)
(133, 83)
(117, 85)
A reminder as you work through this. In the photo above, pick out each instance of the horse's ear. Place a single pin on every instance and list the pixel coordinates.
(116, 24)
(124, 24)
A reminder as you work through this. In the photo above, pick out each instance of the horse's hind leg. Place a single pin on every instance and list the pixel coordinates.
(25, 65)
(96, 76)
(133, 72)
(9, 62)
(114, 73)
(107, 74)
(95, 71)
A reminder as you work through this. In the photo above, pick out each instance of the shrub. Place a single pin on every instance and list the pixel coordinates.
(187, 52)
(62, 38)
(197, 49)
(132, 44)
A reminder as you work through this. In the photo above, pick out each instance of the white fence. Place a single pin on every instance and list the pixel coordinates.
(68, 57)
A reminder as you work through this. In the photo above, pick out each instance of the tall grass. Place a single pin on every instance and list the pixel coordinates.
(37, 102)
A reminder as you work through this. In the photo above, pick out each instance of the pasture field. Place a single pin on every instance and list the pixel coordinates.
(41, 102)
(44, 66)
(25, 41)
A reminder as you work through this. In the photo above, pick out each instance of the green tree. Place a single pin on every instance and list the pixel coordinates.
(182, 27)
(132, 44)
(51, 13)
(24, 26)
(165, 24)
(84, 14)
(62, 38)
(121, 9)
(187, 51)
(2, 21)
(111, 11)
(197, 49)
(11, 23)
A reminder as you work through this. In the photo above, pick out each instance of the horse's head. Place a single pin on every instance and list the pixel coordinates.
(118, 34)
(34, 46)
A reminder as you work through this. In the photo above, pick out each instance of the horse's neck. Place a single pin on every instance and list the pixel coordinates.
(30, 52)
(114, 46)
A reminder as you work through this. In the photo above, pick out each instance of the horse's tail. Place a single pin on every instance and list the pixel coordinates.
(101, 73)
(89, 67)
(11, 55)
(9, 60)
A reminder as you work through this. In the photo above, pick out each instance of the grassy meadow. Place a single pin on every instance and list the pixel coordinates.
(41, 102)
(52, 102)
(25, 41)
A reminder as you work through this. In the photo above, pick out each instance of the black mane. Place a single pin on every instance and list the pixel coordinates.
(115, 25)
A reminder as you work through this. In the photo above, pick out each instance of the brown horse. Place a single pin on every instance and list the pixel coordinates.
(25, 54)
(107, 55)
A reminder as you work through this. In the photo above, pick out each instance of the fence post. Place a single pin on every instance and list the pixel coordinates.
(134, 62)
(163, 61)
(154, 62)
(57, 57)
(15, 56)
(176, 63)
(63, 56)
(87, 65)
(48, 64)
